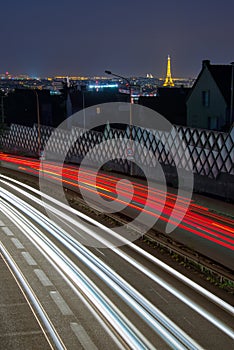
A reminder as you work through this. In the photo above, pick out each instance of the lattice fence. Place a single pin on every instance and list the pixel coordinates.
(210, 152)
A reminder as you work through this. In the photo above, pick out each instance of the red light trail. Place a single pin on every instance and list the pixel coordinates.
(199, 220)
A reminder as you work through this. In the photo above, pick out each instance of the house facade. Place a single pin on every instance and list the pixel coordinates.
(209, 104)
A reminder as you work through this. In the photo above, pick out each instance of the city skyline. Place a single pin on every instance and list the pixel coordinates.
(132, 39)
(24, 76)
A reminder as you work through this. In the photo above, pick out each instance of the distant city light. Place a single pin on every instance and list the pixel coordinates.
(103, 86)
(55, 92)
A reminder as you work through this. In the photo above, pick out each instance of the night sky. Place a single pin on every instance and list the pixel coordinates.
(129, 37)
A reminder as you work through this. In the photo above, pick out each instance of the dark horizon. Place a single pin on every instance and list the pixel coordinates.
(131, 39)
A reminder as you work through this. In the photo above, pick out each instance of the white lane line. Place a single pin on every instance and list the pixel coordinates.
(17, 243)
(7, 231)
(29, 259)
(61, 303)
(100, 251)
(18, 334)
(2, 223)
(160, 296)
(83, 336)
(82, 235)
(190, 323)
(43, 278)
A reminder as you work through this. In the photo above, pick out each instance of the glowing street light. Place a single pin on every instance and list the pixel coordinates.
(130, 150)
(232, 92)
(38, 125)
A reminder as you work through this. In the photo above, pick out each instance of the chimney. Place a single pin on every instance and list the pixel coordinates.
(205, 63)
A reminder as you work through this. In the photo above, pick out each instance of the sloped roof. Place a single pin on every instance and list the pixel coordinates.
(222, 76)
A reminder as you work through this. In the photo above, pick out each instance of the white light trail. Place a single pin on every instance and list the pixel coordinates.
(136, 264)
(135, 300)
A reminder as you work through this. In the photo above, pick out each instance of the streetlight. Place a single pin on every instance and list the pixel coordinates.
(38, 125)
(2, 116)
(232, 91)
(126, 79)
(83, 87)
(130, 114)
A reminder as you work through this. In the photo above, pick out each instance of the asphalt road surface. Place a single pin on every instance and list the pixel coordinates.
(87, 296)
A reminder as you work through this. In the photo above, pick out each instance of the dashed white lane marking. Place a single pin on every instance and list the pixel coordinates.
(18, 334)
(2, 223)
(43, 278)
(29, 259)
(165, 300)
(83, 337)
(17, 243)
(61, 303)
(100, 251)
(190, 323)
(7, 231)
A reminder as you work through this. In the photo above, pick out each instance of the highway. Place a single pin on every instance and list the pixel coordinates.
(98, 295)
(209, 232)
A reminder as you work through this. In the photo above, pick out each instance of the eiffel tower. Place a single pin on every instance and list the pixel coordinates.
(168, 81)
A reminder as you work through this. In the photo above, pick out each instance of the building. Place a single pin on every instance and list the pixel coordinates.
(210, 103)
(80, 98)
(170, 102)
(25, 106)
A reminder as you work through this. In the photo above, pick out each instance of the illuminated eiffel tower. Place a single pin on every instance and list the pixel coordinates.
(168, 81)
